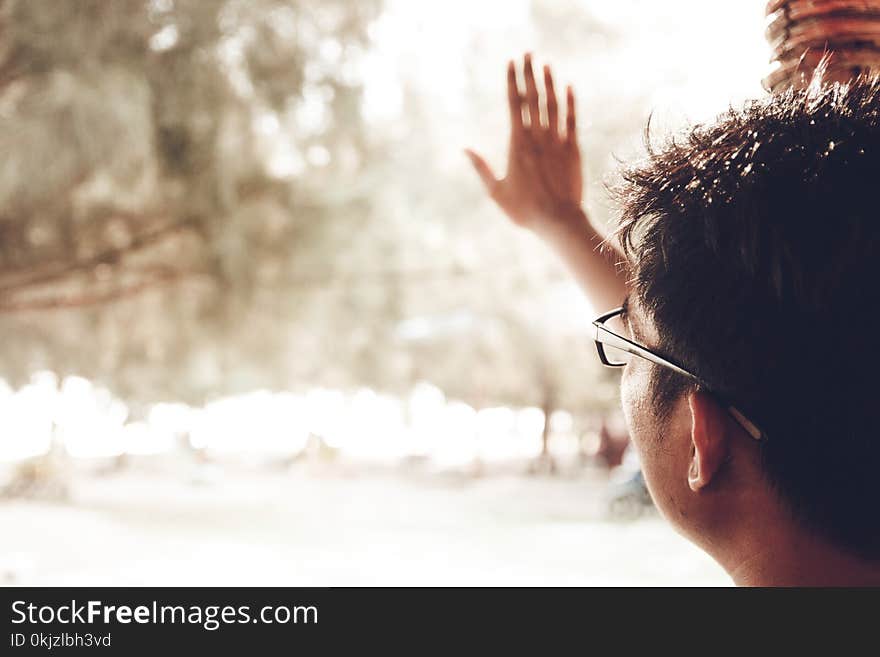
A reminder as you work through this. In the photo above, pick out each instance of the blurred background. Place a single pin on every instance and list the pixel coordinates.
(259, 323)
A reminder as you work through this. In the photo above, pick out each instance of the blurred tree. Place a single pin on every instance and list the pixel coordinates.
(194, 203)
(161, 142)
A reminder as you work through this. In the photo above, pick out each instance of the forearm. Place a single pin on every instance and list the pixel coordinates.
(596, 267)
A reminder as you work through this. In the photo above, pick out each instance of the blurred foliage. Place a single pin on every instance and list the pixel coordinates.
(195, 203)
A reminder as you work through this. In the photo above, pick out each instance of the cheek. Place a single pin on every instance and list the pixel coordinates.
(645, 432)
(634, 386)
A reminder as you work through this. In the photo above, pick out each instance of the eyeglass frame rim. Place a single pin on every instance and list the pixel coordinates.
(612, 339)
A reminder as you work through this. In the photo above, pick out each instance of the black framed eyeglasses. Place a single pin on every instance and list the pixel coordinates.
(615, 350)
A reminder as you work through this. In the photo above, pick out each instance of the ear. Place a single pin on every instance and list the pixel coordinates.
(708, 439)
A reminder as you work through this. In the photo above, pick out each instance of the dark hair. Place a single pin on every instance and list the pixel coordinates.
(754, 244)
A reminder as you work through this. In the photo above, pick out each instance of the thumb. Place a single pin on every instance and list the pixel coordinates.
(483, 170)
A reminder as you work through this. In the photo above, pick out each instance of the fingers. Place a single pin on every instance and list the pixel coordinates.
(484, 170)
(514, 100)
(532, 100)
(552, 108)
(570, 118)
(532, 96)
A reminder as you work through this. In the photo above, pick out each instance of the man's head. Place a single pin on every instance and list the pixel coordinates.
(754, 244)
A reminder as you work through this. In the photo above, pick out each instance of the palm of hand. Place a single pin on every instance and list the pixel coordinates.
(543, 181)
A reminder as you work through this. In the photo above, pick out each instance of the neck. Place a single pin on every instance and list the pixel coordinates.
(783, 554)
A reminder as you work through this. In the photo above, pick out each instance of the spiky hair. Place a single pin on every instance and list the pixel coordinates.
(754, 245)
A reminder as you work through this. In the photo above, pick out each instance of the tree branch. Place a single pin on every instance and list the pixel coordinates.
(139, 242)
(78, 301)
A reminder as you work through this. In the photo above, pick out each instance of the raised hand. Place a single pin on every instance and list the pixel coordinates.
(542, 188)
(543, 183)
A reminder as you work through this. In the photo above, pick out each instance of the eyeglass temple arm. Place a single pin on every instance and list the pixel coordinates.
(610, 338)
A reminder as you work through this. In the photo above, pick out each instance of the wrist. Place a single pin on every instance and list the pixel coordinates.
(566, 222)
